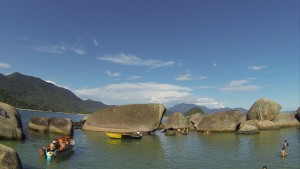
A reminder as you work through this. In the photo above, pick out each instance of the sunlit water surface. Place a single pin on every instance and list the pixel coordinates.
(219, 150)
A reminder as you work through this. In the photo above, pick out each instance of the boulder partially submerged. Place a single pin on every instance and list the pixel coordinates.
(264, 109)
(248, 129)
(10, 123)
(220, 122)
(267, 125)
(51, 124)
(9, 158)
(126, 118)
(176, 121)
(287, 120)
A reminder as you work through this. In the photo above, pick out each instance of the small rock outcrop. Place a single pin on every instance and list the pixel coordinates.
(286, 120)
(127, 118)
(176, 121)
(55, 125)
(248, 129)
(220, 122)
(267, 125)
(170, 132)
(10, 123)
(9, 158)
(264, 109)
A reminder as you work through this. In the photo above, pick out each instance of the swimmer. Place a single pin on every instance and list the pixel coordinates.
(285, 144)
(283, 153)
(265, 167)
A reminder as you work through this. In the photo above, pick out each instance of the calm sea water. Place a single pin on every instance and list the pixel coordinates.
(194, 151)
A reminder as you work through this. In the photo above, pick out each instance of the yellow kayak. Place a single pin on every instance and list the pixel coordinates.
(124, 135)
(113, 135)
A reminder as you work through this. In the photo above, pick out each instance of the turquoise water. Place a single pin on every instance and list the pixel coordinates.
(195, 151)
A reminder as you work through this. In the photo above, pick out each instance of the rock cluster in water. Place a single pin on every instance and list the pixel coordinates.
(263, 115)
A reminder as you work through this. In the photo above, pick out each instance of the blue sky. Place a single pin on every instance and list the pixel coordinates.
(214, 53)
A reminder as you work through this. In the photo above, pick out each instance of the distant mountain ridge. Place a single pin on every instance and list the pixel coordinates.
(29, 92)
(183, 108)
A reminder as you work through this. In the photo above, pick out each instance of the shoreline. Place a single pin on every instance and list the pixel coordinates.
(52, 111)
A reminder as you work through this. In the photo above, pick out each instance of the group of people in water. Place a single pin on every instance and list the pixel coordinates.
(283, 153)
(60, 144)
(183, 131)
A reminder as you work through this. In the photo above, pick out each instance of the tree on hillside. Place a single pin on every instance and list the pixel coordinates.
(194, 111)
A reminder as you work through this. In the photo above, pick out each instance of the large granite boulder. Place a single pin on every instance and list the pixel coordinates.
(51, 124)
(220, 122)
(286, 120)
(264, 109)
(267, 125)
(10, 123)
(126, 118)
(195, 119)
(176, 121)
(9, 158)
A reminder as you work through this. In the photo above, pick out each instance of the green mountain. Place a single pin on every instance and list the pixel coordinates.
(27, 92)
(194, 111)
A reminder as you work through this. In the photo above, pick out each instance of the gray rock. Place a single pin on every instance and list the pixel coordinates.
(248, 129)
(176, 121)
(263, 109)
(3, 114)
(127, 118)
(298, 114)
(170, 133)
(242, 119)
(286, 120)
(267, 125)
(220, 122)
(9, 158)
(55, 125)
(195, 119)
(10, 123)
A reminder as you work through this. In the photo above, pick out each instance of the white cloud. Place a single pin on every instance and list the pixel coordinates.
(50, 81)
(256, 68)
(112, 74)
(53, 82)
(240, 86)
(50, 49)
(188, 76)
(134, 77)
(4, 65)
(208, 102)
(58, 49)
(132, 60)
(207, 87)
(214, 64)
(79, 51)
(96, 42)
(131, 93)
